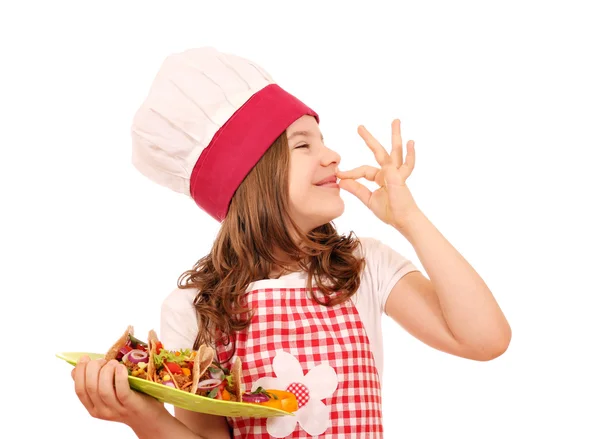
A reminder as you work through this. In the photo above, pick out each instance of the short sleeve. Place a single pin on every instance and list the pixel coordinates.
(178, 324)
(384, 268)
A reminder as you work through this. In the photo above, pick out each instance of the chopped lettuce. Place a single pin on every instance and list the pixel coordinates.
(170, 357)
(214, 369)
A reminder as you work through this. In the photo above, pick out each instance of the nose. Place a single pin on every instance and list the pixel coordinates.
(330, 157)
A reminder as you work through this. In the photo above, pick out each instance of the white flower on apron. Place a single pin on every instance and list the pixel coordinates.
(319, 383)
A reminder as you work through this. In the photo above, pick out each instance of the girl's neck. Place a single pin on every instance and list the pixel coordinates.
(277, 272)
(289, 266)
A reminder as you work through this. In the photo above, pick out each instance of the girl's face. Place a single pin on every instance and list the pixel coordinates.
(314, 194)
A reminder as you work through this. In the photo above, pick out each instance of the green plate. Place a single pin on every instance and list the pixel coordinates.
(186, 400)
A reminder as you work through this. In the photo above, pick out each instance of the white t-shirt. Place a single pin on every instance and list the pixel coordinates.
(384, 267)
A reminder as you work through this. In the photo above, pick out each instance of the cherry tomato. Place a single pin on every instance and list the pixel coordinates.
(174, 368)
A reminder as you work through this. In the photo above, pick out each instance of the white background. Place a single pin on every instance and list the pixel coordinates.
(502, 99)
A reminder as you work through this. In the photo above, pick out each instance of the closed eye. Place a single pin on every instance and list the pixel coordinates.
(305, 145)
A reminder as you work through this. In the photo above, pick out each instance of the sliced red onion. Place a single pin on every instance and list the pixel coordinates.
(209, 384)
(169, 383)
(254, 397)
(136, 356)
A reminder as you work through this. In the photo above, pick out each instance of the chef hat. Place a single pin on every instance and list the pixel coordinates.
(207, 120)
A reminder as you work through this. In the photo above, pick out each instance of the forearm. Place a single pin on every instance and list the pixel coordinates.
(163, 426)
(469, 308)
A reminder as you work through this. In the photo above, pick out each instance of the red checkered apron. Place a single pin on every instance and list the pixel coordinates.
(286, 318)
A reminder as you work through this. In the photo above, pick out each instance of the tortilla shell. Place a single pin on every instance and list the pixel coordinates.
(203, 360)
(236, 372)
(113, 352)
(152, 340)
(152, 337)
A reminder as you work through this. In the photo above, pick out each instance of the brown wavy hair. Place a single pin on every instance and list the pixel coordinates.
(257, 224)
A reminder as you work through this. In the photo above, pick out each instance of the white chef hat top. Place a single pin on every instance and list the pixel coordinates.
(208, 119)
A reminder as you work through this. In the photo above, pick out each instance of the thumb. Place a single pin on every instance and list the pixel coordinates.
(358, 190)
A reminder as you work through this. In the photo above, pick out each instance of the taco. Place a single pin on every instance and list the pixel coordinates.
(131, 352)
(179, 368)
(217, 382)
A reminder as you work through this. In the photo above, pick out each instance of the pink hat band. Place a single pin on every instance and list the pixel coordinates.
(239, 144)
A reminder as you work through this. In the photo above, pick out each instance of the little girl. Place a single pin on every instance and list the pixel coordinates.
(298, 303)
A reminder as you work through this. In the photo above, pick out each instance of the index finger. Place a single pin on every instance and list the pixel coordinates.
(92, 374)
(106, 385)
(369, 172)
(365, 171)
(122, 387)
(381, 155)
(79, 379)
